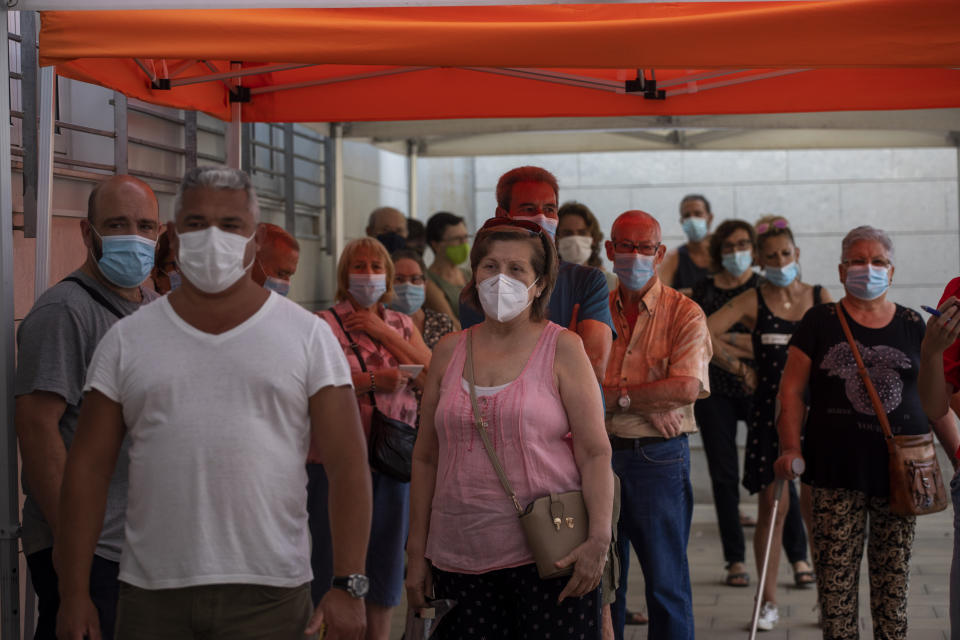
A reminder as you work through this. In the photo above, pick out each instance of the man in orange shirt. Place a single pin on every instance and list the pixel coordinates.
(656, 371)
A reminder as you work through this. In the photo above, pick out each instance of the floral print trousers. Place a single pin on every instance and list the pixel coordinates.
(840, 521)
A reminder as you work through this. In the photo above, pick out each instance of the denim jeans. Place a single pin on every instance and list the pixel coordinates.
(955, 565)
(655, 515)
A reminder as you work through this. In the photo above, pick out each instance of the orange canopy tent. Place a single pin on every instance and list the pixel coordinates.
(402, 63)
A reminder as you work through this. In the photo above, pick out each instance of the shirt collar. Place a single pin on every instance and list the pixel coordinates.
(650, 298)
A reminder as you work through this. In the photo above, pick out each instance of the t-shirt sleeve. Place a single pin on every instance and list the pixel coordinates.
(326, 364)
(104, 374)
(595, 299)
(52, 353)
(692, 348)
(951, 357)
(805, 337)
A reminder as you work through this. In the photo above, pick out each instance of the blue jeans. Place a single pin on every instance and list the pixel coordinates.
(655, 515)
(955, 565)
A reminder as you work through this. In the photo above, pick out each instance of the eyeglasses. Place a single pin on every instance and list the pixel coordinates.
(779, 223)
(623, 246)
(741, 245)
(876, 262)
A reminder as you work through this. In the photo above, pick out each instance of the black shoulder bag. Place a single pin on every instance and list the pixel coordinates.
(390, 450)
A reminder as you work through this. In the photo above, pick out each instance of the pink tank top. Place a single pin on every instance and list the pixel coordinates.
(473, 524)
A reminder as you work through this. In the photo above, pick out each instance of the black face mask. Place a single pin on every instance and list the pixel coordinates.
(392, 241)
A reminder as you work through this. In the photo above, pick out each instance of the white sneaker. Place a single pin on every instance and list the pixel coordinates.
(769, 617)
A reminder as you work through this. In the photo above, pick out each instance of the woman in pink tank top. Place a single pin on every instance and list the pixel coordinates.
(538, 395)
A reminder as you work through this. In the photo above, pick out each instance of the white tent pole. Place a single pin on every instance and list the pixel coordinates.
(234, 137)
(412, 151)
(336, 135)
(9, 525)
(41, 276)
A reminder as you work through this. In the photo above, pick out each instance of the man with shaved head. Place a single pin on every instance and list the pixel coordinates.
(657, 369)
(56, 341)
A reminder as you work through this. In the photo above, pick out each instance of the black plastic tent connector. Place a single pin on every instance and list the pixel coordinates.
(647, 87)
(240, 94)
(161, 84)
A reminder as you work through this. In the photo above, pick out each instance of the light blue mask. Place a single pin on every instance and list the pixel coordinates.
(276, 284)
(695, 228)
(175, 280)
(366, 288)
(126, 261)
(549, 225)
(408, 298)
(737, 262)
(633, 269)
(782, 276)
(867, 282)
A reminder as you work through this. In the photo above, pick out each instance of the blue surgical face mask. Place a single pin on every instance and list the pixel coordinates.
(737, 262)
(408, 298)
(782, 276)
(125, 261)
(695, 228)
(549, 225)
(175, 280)
(367, 288)
(867, 282)
(633, 269)
(276, 284)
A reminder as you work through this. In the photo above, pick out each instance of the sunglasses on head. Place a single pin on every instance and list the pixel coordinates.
(764, 227)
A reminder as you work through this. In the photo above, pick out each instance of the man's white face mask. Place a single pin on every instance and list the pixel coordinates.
(211, 259)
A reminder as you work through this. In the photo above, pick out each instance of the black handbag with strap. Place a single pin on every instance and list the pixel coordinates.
(390, 450)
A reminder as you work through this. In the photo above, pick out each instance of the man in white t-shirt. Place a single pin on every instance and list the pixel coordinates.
(220, 386)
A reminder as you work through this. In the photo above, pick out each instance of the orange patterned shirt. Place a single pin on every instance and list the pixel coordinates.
(670, 339)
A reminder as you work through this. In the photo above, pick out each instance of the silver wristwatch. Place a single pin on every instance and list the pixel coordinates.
(356, 584)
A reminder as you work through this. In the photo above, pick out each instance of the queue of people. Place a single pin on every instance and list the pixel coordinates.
(196, 447)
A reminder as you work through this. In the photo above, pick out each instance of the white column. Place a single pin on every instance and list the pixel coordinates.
(336, 134)
(412, 152)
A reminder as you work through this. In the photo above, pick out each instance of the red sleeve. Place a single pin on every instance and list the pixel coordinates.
(951, 357)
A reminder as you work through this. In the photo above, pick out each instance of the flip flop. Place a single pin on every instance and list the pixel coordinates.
(804, 579)
(635, 617)
(741, 579)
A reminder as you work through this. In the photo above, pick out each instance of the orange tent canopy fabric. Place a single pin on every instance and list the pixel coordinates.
(444, 62)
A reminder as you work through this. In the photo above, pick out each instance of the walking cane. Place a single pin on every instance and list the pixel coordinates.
(797, 467)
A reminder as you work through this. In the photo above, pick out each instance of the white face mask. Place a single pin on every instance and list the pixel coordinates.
(503, 297)
(212, 259)
(575, 249)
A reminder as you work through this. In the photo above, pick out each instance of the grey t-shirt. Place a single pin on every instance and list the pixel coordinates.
(55, 344)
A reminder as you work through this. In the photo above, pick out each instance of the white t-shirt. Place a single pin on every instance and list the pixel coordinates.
(219, 430)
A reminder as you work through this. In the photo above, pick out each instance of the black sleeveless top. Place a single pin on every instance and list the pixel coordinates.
(688, 273)
(710, 298)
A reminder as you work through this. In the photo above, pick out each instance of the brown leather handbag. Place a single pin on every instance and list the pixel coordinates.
(916, 482)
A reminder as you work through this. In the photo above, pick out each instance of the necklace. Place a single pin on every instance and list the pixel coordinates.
(787, 304)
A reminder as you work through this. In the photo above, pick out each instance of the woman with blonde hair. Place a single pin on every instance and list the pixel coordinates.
(376, 340)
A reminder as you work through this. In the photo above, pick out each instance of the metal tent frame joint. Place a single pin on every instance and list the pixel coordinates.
(240, 94)
(648, 88)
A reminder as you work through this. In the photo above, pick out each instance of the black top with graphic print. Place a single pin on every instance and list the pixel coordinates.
(843, 442)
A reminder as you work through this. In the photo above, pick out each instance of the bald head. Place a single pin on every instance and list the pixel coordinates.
(636, 223)
(386, 220)
(123, 192)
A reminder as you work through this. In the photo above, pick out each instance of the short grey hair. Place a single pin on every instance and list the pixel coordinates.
(217, 177)
(866, 232)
